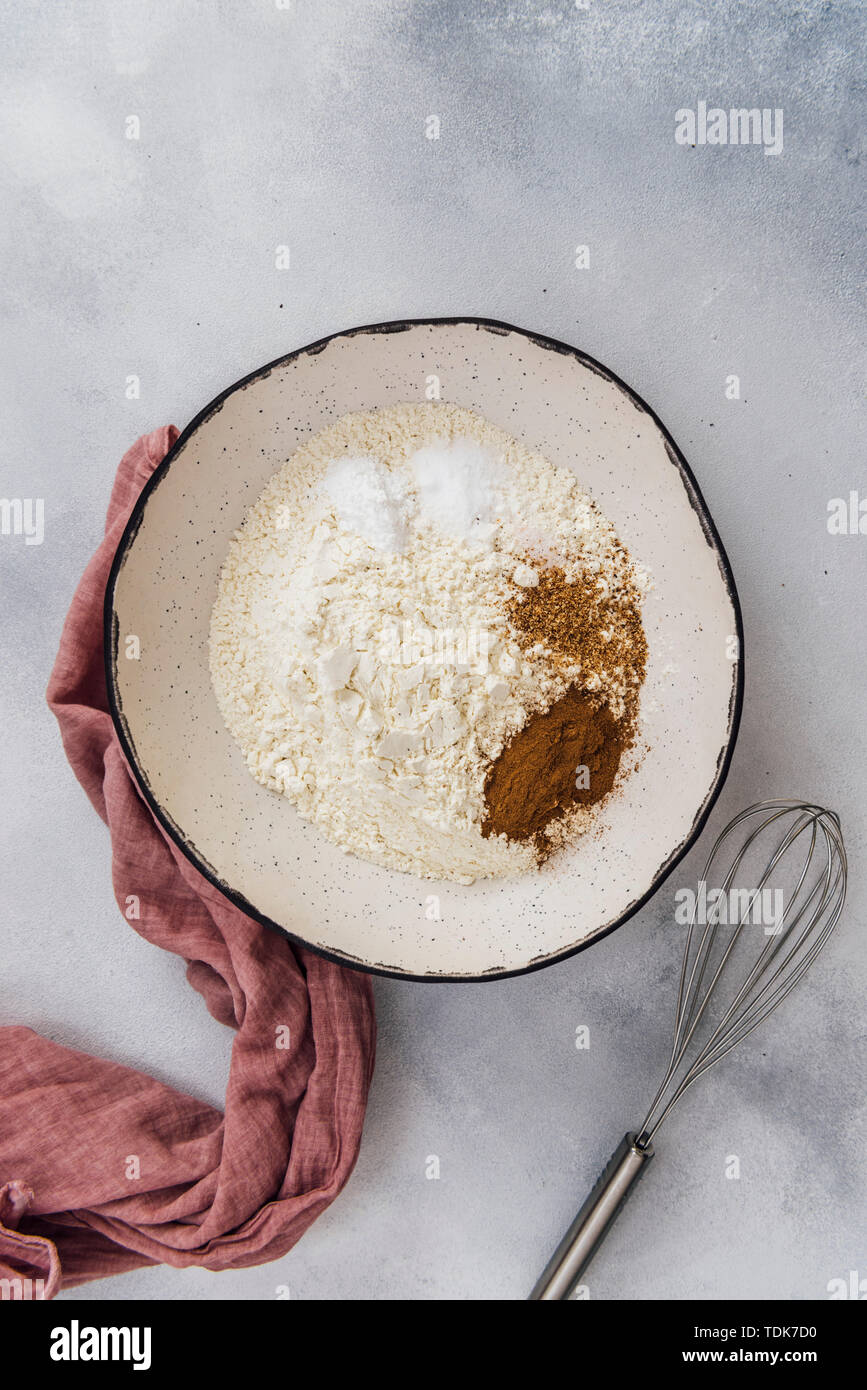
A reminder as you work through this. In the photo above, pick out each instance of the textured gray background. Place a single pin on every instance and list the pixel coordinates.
(262, 126)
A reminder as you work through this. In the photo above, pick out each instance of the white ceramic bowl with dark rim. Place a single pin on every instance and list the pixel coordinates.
(251, 842)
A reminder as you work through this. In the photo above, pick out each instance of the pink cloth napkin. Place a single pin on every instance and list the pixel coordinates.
(103, 1169)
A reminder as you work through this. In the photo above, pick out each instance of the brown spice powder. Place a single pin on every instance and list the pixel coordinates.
(533, 782)
(579, 621)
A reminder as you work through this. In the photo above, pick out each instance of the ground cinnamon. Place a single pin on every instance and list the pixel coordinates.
(568, 756)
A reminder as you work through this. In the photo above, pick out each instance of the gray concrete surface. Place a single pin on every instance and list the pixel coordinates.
(305, 124)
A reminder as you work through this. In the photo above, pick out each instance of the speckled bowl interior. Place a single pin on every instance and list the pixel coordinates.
(251, 842)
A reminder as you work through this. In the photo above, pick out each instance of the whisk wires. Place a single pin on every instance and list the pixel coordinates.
(813, 910)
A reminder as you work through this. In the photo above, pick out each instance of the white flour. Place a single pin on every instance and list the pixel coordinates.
(360, 651)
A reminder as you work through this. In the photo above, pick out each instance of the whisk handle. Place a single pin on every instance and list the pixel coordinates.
(594, 1220)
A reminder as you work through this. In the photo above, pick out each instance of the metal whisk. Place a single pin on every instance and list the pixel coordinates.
(727, 985)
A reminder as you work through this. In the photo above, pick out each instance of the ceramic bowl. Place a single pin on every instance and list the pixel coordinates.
(251, 842)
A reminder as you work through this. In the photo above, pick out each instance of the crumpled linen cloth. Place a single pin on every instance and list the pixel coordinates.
(103, 1169)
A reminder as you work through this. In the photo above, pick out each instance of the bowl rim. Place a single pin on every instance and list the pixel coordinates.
(696, 499)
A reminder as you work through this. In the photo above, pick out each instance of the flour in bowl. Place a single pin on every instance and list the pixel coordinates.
(366, 649)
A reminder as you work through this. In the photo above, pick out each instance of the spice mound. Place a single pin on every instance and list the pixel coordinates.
(565, 757)
(429, 639)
